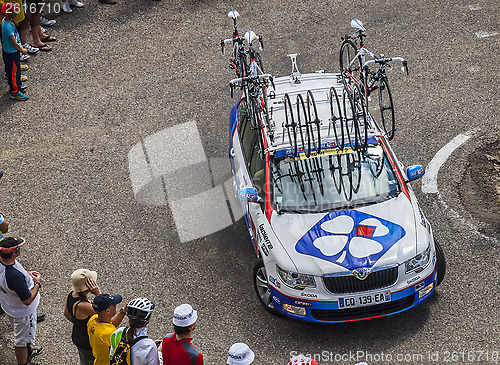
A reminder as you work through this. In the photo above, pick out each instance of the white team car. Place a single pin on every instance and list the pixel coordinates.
(336, 227)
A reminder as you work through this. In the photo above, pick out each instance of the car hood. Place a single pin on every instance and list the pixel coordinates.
(376, 235)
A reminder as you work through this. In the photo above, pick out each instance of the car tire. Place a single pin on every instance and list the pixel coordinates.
(440, 263)
(261, 285)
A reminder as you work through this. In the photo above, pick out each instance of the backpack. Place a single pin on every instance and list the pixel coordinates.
(121, 356)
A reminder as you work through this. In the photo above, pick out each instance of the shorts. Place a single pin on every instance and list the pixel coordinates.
(20, 16)
(24, 329)
(86, 357)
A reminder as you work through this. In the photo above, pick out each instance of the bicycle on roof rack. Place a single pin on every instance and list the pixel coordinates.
(354, 68)
(305, 123)
(350, 118)
(238, 62)
(254, 85)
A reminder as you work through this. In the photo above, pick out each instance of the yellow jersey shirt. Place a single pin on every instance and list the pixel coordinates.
(100, 339)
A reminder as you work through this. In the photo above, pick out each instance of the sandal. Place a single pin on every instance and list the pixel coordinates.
(44, 48)
(48, 39)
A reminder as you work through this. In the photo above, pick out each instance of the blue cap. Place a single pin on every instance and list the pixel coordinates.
(103, 301)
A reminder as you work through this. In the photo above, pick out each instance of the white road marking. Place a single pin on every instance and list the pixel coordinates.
(484, 34)
(429, 181)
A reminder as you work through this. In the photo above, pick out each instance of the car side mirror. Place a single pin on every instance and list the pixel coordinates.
(249, 195)
(414, 172)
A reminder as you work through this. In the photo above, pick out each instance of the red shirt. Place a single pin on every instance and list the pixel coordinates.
(180, 352)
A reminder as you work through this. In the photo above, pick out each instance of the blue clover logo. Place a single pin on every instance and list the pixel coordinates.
(350, 239)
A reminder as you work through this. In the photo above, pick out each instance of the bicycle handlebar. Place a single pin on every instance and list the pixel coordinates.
(223, 42)
(258, 78)
(385, 60)
(255, 79)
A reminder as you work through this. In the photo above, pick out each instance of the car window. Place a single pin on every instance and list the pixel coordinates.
(333, 181)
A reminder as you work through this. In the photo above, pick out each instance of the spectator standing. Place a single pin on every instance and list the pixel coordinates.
(143, 350)
(66, 5)
(4, 227)
(19, 297)
(240, 354)
(78, 311)
(101, 326)
(11, 50)
(176, 347)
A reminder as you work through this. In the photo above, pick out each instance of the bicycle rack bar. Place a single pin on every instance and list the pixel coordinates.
(295, 70)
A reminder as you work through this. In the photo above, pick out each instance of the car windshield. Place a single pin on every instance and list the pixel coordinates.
(332, 181)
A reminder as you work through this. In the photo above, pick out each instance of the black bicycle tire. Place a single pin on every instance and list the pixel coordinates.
(300, 126)
(356, 66)
(242, 65)
(364, 116)
(311, 102)
(334, 118)
(258, 59)
(384, 85)
(286, 101)
(344, 104)
(332, 173)
(259, 125)
(355, 127)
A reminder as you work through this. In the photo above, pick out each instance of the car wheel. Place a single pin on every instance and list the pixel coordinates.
(441, 263)
(261, 286)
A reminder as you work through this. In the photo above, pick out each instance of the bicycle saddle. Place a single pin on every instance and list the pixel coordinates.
(250, 36)
(233, 14)
(355, 23)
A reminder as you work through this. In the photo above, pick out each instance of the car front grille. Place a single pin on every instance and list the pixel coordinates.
(351, 284)
(363, 312)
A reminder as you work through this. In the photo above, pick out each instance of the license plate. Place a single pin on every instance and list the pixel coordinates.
(364, 300)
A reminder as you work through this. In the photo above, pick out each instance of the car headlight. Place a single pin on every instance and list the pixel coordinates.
(296, 280)
(419, 262)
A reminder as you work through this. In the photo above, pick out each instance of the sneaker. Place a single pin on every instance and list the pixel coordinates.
(19, 96)
(23, 87)
(24, 78)
(75, 3)
(30, 48)
(66, 8)
(43, 30)
(47, 22)
(24, 57)
(24, 67)
(35, 350)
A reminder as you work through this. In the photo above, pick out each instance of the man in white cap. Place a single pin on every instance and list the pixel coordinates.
(240, 354)
(176, 347)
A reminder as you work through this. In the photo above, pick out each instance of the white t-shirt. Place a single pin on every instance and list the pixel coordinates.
(9, 297)
(144, 352)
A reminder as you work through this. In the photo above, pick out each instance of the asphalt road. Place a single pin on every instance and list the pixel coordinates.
(120, 76)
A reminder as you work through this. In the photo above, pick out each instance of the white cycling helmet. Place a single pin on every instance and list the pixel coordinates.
(140, 309)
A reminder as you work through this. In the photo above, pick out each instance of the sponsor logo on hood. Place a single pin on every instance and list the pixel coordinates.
(350, 239)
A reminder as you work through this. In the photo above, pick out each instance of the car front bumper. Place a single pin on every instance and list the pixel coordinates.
(329, 311)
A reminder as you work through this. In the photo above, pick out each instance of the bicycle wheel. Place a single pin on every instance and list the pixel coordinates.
(386, 108)
(345, 121)
(301, 126)
(313, 119)
(348, 65)
(258, 124)
(360, 119)
(334, 118)
(258, 59)
(290, 125)
(242, 69)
